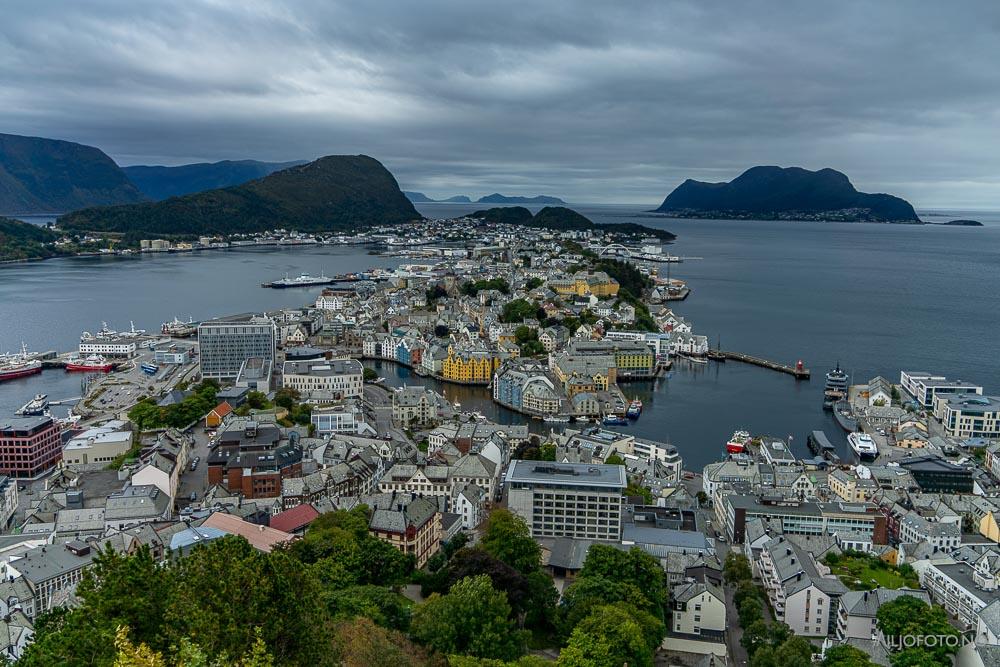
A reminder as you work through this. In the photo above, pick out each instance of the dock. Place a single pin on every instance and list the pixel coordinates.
(798, 371)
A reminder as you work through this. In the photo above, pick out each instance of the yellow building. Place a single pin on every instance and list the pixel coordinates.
(635, 360)
(582, 283)
(472, 367)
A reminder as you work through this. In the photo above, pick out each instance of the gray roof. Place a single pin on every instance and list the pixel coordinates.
(44, 563)
(666, 537)
(867, 603)
(566, 474)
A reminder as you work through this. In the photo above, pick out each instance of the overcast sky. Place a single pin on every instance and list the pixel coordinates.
(591, 101)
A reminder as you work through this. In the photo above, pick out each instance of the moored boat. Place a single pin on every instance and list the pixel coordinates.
(738, 443)
(35, 407)
(863, 446)
(615, 420)
(634, 409)
(13, 366)
(836, 387)
(95, 363)
(844, 415)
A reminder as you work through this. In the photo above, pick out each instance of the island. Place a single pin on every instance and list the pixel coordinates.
(963, 223)
(333, 193)
(421, 198)
(793, 193)
(497, 198)
(560, 218)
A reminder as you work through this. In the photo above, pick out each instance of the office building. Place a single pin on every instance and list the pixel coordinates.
(323, 380)
(225, 343)
(29, 446)
(568, 499)
(802, 518)
(924, 387)
(969, 415)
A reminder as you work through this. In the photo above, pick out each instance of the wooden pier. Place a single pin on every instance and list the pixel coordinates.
(798, 371)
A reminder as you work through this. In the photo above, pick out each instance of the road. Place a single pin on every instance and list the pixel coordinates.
(195, 480)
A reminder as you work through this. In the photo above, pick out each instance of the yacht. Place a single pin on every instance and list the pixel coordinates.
(836, 387)
(863, 446)
(35, 407)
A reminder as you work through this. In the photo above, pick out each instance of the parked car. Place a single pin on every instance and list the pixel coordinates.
(194, 496)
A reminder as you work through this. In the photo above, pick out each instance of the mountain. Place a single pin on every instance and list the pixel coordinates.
(22, 240)
(559, 218)
(51, 176)
(497, 198)
(793, 193)
(338, 192)
(159, 183)
(421, 198)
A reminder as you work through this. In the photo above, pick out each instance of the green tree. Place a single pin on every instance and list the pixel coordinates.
(473, 618)
(386, 607)
(608, 637)
(736, 568)
(634, 567)
(287, 398)
(369, 375)
(846, 656)
(517, 310)
(615, 460)
(534, 282)
(634, 489)
(754, 636)
(907, 615)
(361, 643)
(508, 538)
(257, 400)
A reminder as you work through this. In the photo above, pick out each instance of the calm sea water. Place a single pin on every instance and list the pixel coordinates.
(876, 298)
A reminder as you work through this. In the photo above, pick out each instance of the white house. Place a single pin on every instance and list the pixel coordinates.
(698, 609)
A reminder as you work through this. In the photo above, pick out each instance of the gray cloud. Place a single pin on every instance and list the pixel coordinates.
(592, 101)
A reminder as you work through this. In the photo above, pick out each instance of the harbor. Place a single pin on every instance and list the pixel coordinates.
(799, 371)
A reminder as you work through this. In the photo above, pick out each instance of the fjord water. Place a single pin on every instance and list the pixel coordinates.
(876, 298)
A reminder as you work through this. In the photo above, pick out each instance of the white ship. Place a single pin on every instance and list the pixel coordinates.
(863, 446)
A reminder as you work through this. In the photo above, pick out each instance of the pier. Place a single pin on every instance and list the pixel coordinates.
(798, 371)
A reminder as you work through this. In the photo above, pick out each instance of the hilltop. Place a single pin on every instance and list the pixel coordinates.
(338, 192)
(159, 183)
(789, 193)
(40, 175)
(559, 218)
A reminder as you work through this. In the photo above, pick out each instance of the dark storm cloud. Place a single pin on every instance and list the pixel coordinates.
(590, 101)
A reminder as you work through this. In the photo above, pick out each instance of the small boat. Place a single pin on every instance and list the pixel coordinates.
(738, 442)
(555, 419)
(863, 446)
(634, 409)
(696, 360)
(614, 420)
(95, 363)
(35, 407)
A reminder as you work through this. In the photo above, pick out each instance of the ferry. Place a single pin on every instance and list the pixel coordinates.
(863, 446)
(634, 409)
(149, 368)
(615, 420)
(738, 442)
(35, 407)
(303, 280)
(13, 366)
(836, 387)
(95, 363)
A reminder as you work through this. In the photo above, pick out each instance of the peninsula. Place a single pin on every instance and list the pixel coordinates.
(793, 193)
(337, 192)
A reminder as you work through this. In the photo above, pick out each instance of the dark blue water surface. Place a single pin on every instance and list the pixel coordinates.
(876, 298)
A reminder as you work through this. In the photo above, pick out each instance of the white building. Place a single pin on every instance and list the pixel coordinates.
(96, 447)
(122, 348)
(567, 499)
(346, 418)
(969, 415)
(8, 500)
(698, 609)
(799, 595)
(225, 343)
(324, 380)
(857, 611)
(924, 387)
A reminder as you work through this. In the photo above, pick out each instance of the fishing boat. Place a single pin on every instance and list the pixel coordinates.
(738, 442)
(18, 365)
(95, 363)
(614, 420)
(634, 409)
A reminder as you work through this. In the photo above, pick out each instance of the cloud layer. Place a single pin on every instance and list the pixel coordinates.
(590, 101)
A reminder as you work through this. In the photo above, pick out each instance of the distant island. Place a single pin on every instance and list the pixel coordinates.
(495, 198)
(963, 223)
(421, 198)
(159, 183)
(39, 175)
(793, 193)
(337, 192)
(559, 218)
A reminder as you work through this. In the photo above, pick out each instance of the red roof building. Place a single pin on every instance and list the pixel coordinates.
(296, 519)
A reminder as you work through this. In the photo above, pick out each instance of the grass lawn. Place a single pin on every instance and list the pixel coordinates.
(861, 573)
